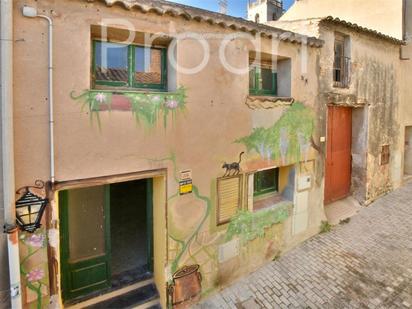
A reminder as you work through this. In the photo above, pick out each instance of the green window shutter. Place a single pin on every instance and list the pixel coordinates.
(261, 82)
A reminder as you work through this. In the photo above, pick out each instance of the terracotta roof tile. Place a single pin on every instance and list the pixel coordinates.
(162, 7)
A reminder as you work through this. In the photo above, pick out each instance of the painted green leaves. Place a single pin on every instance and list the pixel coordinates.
(288, 138)
(251, 225)
(150, 107)
(147, 107)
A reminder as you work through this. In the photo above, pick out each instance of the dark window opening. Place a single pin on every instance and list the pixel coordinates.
(341, 65)
(385, 155)
(262, 80)
(266, 182)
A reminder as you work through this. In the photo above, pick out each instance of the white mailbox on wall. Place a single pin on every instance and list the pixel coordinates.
(304, 182)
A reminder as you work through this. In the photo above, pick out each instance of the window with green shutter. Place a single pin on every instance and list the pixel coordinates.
(262, 80)
(130, 66)
(266, 181)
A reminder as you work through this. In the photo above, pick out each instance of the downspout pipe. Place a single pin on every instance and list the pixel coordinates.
(32, 12)
(50, 95)
(7, 132)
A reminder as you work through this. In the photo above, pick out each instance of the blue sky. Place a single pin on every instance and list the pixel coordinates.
(235, 7)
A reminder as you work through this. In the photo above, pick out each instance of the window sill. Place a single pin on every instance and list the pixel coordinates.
(267, 102)
(339, 85)
(121, 90)
(268, 201)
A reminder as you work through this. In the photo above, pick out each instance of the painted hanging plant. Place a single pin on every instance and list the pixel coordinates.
(251, 225)
(288, 138)
(146, 107)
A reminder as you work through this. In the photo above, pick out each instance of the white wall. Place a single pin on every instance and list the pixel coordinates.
(381, 15)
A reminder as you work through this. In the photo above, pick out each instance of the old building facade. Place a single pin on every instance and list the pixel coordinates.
(163, 172)
(360, 75)
(189, 147)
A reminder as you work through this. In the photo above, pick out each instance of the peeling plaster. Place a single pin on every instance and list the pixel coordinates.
(54, 235)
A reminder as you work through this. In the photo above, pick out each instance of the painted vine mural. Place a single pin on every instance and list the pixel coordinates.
(288, 139)
(33, 267)
(147, 107)
(251, 225)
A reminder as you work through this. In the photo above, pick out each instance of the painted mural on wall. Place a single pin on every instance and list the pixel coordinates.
(189, 254)
(288, 139)
(233, 168)
(148, 108)
(181, 238)
(192, 243)
(251, 225)
(34, 269)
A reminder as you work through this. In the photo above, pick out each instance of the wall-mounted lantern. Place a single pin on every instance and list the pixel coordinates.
(30, 208)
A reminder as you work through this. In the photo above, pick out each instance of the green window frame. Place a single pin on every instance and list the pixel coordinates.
(256, 81)
(131, 62)
(265, 182)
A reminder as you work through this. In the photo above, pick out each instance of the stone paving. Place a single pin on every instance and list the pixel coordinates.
(366, 263)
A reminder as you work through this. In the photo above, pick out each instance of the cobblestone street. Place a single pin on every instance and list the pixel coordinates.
(366, 263)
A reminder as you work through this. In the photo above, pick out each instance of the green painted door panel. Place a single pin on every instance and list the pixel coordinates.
(85, 239)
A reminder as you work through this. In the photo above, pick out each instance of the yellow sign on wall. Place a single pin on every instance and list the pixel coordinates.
(185, 183)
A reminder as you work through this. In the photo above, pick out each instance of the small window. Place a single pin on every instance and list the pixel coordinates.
(111, 63)
(341, 64)
(229, 198)
(262, 80)
(130, 66)
(266, 182)
(385, 155)
(257, 18)
(148, 66)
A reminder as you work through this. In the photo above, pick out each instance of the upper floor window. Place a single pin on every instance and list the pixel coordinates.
(129, 66)
(341, 65)
(262, 80)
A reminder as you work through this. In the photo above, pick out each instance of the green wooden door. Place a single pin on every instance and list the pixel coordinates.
(85, 240)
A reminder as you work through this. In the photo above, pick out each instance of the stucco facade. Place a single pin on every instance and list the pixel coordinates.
(202, 142)
(406, 110)
(375, 91)
(208, 119)
(381, 15)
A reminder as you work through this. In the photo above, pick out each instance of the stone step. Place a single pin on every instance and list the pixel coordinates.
(143, 297)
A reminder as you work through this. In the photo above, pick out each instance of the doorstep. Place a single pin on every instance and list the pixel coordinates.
(139, 295)
(342, 210)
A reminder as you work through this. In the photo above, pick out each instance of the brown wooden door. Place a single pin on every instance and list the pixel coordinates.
(338, 156)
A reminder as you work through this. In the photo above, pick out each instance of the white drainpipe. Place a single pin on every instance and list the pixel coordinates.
(50, 93)
(6, 43)
(32, 12)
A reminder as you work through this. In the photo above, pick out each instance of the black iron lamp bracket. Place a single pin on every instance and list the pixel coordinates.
(38, 184)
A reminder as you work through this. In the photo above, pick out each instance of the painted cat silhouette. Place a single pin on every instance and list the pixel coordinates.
(233, 167)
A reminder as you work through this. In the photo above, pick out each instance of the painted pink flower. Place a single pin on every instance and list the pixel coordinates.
(36, 241)
(35, 275)
(156, 98)
(100, 97)
(172, 104)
